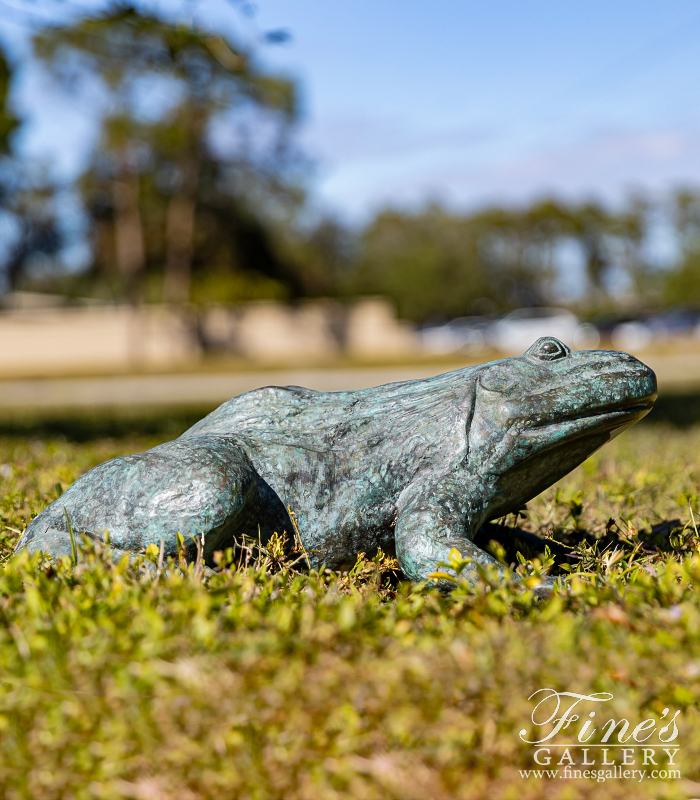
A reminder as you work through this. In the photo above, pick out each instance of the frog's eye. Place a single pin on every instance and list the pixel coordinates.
(548, 349)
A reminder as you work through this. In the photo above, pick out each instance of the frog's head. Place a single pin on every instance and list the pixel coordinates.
(539, 415)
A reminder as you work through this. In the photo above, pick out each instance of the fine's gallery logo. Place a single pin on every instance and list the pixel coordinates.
(574, 736)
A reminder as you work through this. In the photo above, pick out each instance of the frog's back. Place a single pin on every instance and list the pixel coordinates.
(274, 414)
(292, 414)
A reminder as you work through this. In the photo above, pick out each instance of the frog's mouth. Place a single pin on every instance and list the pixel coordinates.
(599, 420)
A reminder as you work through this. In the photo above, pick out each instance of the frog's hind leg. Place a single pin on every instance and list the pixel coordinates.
(204, 486)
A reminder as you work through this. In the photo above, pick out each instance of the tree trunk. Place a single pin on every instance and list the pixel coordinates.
(129, 247)
(180, 236)
(128, 232)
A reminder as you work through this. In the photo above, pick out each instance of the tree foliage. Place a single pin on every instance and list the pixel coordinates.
(8, 121)
(31, 229)
(175, 216)
(439, 262)
(196, 194)
(682, 285)
(427, 263)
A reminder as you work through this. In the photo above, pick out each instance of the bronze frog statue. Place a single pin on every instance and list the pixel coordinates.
(414, 468)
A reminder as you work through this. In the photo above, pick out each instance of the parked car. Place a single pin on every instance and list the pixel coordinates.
(515, 332)
(467, 335)
(633, 335)
(638, 334)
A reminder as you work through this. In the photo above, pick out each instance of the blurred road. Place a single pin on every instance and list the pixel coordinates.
(676, 373)
(188, 389)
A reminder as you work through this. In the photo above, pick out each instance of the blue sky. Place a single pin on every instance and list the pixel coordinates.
(463, 102)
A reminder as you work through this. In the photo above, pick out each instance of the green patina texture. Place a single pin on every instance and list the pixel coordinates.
(413, 468)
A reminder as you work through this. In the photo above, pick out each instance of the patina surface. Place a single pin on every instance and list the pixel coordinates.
(413, 468)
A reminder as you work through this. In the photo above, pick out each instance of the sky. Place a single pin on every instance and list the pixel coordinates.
(457, 101)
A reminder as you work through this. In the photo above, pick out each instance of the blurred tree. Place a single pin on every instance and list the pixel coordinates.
(8, 121)
(632, 229)
(427, 262)
(437, 263)
(172, 209)
(31, 232)
(195, 195)
(610, 242)
(517, 249)
(37, 239)
(325, 253)
(682, 282)
(590, 224)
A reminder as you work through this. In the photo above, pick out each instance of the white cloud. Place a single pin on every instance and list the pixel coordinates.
(605, 163)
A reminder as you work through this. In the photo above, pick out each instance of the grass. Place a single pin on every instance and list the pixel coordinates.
(270, 681)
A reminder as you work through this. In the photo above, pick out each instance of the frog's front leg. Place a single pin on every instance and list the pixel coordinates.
(433, 517)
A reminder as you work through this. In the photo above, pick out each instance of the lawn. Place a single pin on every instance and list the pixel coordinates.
(267, 681)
